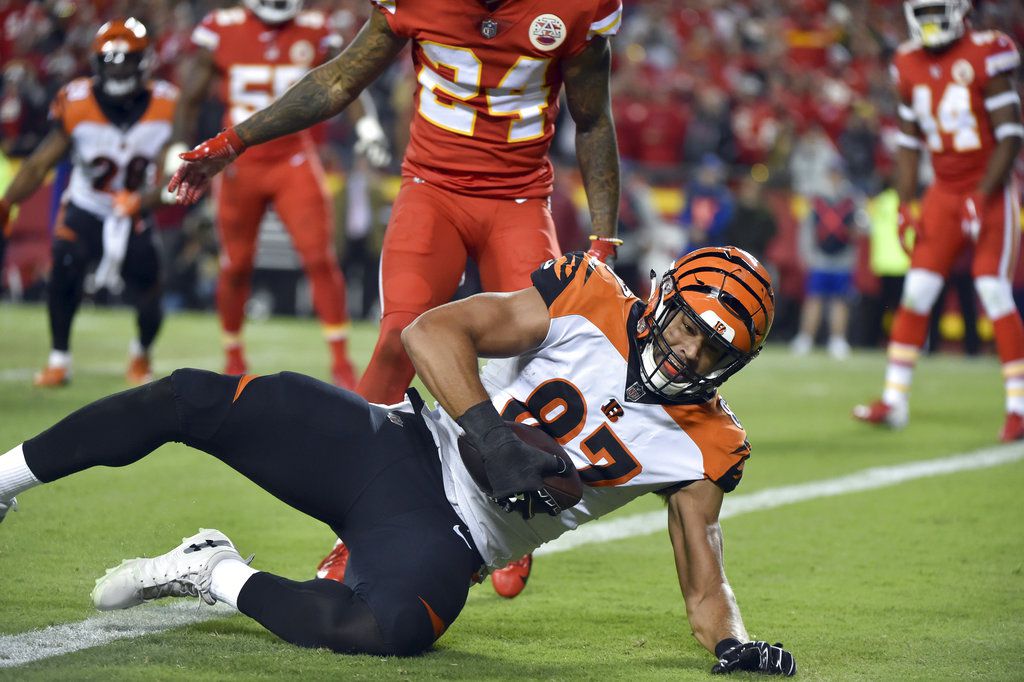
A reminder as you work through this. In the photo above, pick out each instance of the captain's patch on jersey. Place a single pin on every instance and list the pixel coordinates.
(547, 32)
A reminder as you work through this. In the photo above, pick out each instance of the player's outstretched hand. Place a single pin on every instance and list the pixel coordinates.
(758, 657)
(193, 177)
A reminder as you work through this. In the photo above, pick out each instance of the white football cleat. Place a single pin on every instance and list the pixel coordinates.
(6, 506)
(185, 571)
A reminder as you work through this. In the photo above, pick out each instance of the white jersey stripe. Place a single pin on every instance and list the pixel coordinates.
(608, 26)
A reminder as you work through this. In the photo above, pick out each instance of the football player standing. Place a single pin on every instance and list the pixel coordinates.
(957, 99)
(476, 178)
(260, 50)
(116, 126)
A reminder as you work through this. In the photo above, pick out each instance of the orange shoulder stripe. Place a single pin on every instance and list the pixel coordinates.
(721, 442)
(587, 296)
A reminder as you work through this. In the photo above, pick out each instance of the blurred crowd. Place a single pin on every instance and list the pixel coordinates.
(736, 120)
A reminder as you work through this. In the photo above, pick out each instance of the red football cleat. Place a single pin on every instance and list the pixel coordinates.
(344, 375)
(883, 414)
(334, 564)
(1013, 429)
(140, 371)
(511, 580)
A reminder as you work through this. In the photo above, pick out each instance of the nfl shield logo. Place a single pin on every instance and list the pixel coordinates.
(488, 28)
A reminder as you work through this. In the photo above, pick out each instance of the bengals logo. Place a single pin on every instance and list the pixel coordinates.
(720, 328)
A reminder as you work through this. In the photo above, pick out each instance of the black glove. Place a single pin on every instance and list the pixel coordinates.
(512, 466)
(529, 503)
(759, 657)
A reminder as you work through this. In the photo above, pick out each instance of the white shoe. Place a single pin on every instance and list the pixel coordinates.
(838, 348)
(6, 506)
(801, 344)
(185, 571)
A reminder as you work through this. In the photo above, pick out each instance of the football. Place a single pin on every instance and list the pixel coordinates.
(565, 489)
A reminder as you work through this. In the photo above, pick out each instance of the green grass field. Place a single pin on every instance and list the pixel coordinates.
(923, 580)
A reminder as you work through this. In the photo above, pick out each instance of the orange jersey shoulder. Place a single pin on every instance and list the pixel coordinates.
(720, 437)
(579, 284)
(75, 104)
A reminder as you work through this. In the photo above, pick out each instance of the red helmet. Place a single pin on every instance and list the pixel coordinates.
(727, 294)
(121, 57)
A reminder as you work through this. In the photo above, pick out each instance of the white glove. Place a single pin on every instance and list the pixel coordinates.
(371, 142)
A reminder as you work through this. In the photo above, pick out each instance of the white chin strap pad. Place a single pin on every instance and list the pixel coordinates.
(921, 289)
(996, 295)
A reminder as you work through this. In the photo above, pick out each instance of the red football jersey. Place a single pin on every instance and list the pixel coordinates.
(487, 87)
(259, 62)
(945, 95)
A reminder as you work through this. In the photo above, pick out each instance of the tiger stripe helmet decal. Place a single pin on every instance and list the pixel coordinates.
(728, 295)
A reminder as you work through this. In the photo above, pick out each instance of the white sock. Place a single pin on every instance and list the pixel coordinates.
(227, 580)
(135, 349)
(59, 358)
(15, 476)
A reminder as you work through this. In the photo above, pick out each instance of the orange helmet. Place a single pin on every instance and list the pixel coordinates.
(726, 294)
(121, 57)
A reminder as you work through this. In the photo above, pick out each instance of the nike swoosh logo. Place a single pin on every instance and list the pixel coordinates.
(458, 531)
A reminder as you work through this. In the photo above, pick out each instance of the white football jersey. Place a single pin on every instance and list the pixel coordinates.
(581, 386)
(107, 158)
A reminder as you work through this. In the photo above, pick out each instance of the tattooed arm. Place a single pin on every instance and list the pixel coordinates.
(327, 89)
(586, 79)
(320, 94)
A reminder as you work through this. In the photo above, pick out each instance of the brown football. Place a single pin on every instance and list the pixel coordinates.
(565, 489)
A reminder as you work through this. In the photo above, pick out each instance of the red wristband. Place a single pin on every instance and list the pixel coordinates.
(236, 142)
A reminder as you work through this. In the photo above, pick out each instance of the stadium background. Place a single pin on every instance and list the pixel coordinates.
(772, 89)
(920, 580)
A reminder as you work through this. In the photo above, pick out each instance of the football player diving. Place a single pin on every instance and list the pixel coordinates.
(577, 339)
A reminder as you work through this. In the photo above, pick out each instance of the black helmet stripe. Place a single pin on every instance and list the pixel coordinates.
(726, 273)
(734, 261)
(730, 302)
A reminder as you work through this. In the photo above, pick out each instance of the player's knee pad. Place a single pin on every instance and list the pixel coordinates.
(996, 295)
(202, 399)
(921, 289)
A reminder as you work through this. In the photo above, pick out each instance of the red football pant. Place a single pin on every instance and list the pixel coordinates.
(995, 255)
(294, 186)
(429, 237)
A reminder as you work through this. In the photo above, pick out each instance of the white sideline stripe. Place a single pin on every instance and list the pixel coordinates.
(102, 629)
(770, 498)
(58, 640)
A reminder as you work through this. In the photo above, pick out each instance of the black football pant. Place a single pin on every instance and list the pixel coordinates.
(79, 243)
(371, 474)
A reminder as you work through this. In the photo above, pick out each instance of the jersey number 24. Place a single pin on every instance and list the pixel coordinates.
(522, 94)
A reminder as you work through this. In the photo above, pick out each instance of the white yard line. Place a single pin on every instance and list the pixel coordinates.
(99, 630)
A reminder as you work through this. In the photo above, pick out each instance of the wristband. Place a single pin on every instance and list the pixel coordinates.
(725, 645)
(236, 142)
